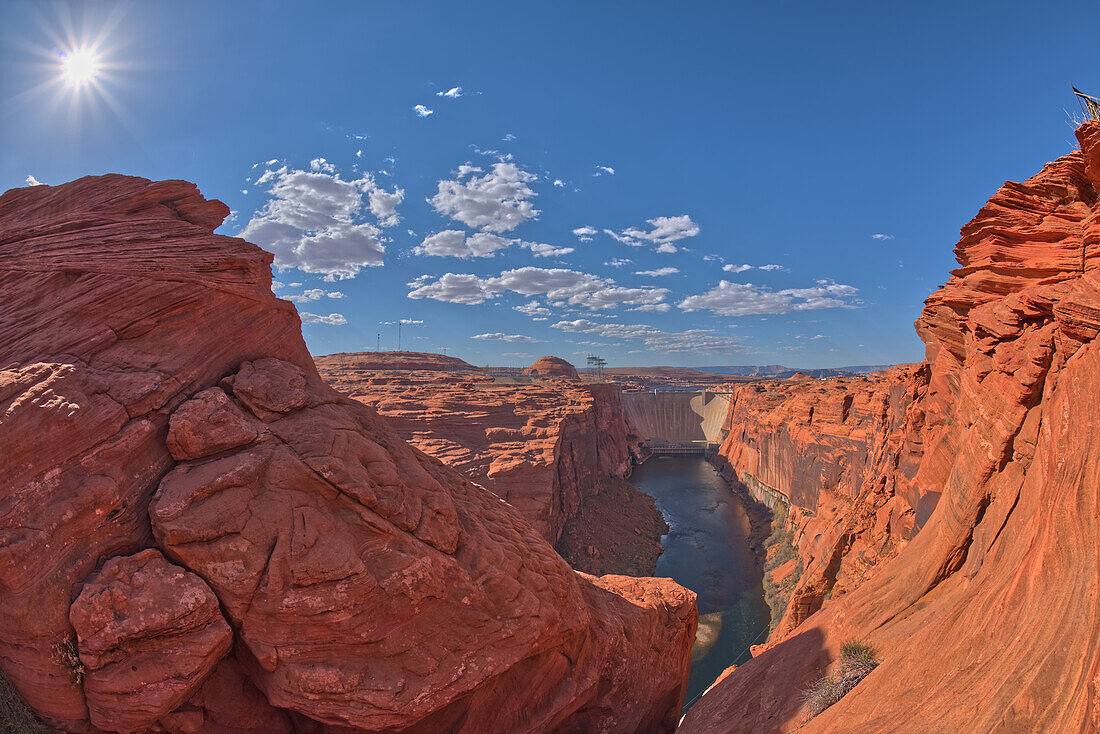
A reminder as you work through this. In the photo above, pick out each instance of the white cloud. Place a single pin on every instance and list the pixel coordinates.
(542, 250)
(662, 233)
(383, 203)
(509, 137)
(665, 229)
(532, 308)
(601, 170)
(313, 294)
(713, 258)
(881, 236)
(422, 111)
(618, 262)
(496, 202)
(559, 183)
(511, 338)
(744, 299)
(560, 286)
(451, 288)
(662, 307)
(313, 221)
(452, 93)
(736, 268)
(455, 243)
(658, 272)
(32, 181)
(691, 340)
(333, 319)
(585, 233)
(773, 267)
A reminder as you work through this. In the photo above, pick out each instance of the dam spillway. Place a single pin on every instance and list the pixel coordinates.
(678, 422)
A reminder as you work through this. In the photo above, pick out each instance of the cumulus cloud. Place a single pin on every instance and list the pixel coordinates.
(333, 319)
(497, 336)
(773, 267)
(532, 308)
(539, 249)
(881, 236)
(383, 203)
(746, 299)
(560, 286)
(498, 201)
(658, 272)
(455, 243)
(601, 170)
(313, 221)
(559, 183)
(585, 233)
(736, 268)
(692, 340)
(452, 93)
(663, 232)
(618, 262)
(422, 111)
(451, 288)
(312, 294)
(32, 181)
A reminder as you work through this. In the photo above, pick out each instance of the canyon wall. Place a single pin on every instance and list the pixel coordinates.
(988, 619)
(543, 445)
(198, 534)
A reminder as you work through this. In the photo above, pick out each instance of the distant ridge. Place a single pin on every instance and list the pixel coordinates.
(780, 372)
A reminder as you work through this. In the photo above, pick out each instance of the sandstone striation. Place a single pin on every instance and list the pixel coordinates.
(541, 445)
(169, 443)
(987, 619)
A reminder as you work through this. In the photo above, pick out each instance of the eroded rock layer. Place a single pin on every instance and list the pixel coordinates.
(198, 534)
(541, 445)
(987, 619)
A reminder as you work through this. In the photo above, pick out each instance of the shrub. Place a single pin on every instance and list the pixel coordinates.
(15, 716)
(857, 660)
(66, 654)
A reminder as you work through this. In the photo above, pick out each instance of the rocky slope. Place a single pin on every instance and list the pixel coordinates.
(541, 445)
(198, 534)
(987, 619)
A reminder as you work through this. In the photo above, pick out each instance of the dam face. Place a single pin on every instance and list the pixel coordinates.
(676, 422)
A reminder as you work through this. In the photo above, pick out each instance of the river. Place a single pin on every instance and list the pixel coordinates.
(707, 550)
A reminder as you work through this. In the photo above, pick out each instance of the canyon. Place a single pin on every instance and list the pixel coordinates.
(946, 512)
(197, 533)
(203, 528)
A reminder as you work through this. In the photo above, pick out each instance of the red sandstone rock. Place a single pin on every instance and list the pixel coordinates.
(542, 447)
(148, 634)
(367, 584)
(373, 361)
(987, 619)
(552, 367)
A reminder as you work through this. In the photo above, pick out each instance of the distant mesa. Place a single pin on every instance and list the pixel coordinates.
(552, 367)
(398, 361)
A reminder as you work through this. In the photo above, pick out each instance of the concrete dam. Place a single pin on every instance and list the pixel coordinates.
(678, 422)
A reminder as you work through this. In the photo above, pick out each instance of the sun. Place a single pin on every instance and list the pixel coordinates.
(80, 67)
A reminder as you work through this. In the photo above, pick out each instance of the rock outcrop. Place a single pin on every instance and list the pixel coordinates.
(552, 367)
(838, 457)
(168, 443)
(987, 619)
(543, 447)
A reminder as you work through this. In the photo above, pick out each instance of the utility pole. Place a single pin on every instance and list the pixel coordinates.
(378, 342)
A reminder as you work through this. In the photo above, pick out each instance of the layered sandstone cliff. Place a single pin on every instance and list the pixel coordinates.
(987, 619)
(198, 534)
(541, 445)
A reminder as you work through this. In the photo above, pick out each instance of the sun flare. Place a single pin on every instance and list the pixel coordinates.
(80, 67)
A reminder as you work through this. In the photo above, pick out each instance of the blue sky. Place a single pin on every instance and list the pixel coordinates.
(599, 179)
